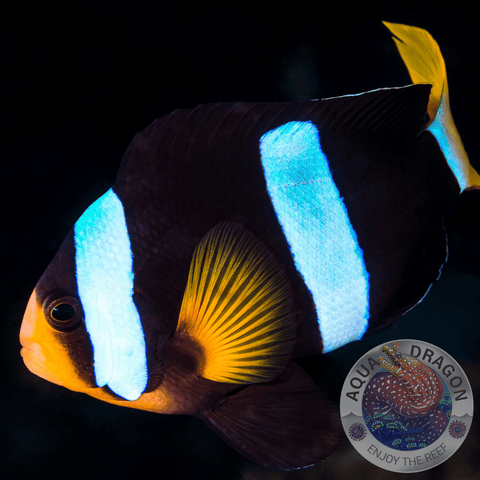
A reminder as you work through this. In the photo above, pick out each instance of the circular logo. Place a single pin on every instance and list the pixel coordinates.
(406, 406)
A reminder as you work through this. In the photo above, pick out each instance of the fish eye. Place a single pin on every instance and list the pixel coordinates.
(64, 314)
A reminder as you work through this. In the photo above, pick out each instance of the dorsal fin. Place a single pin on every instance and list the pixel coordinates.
(398, 113)
(383, 113)
(237, 308)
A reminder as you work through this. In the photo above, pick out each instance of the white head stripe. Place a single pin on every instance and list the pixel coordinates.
(316, 224)
(105, 285)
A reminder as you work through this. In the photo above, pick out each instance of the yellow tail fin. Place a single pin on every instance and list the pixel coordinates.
(423, 59)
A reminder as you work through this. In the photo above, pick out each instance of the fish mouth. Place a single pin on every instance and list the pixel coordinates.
(35, 356)
(28, 352)
(24, 342)
(30, 359)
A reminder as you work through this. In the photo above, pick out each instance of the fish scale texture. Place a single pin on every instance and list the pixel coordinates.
(207, 164)
(105, 286)
(317, 227)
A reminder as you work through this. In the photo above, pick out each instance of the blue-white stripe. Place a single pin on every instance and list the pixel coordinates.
(445, 132)
(105, 285)
(315, 222)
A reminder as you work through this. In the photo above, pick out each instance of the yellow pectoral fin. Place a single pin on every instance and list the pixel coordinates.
(237, 308)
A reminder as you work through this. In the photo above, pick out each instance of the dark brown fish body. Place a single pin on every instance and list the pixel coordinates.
(398, 181)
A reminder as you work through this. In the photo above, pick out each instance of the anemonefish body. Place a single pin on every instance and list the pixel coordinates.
(240, 237)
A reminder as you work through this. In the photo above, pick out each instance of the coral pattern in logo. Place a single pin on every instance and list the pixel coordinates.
(406, 406)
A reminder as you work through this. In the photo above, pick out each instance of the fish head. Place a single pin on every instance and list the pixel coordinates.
(55, 344)
(82, 327)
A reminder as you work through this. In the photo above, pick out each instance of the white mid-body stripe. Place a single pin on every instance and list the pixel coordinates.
(316, 224)
(105, 286)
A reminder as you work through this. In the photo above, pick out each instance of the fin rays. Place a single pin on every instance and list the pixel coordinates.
(238, 307)
(423, 59)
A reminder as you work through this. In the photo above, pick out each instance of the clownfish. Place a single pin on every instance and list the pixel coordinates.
(240, 237)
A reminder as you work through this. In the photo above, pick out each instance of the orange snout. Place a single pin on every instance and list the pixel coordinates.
(43, 352)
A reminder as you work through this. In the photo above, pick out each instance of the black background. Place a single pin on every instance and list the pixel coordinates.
(79, 79)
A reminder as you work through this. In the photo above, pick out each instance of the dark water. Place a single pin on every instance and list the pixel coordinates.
(79, 80)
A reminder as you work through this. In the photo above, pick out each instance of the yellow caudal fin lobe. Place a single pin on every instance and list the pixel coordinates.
(237, 308)
(423, 59)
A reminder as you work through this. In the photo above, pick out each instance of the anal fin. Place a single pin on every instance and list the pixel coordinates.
(288, 423)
